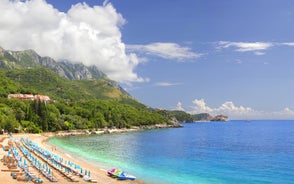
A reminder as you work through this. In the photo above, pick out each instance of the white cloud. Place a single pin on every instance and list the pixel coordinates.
(255, 47)
(238, 112)
(165, 50)
(179, 107)
(291, 44)
(230, 108)
(105, 2)
(90, 35)
(286, 113)
(166, 84)
(259, 53)
(200, 107)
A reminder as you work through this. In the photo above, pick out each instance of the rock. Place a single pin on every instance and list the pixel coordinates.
(106, 131)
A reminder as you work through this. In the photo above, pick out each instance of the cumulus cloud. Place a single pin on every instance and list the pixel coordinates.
(237, 112)
(180, 107)
(165, 50)
(90, 35)
(200, 106)
(255, 47)
(227, 108)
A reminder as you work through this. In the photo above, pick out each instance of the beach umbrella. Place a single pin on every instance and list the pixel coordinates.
(8, 153)
(24, 162)
(86, 172)
(81, 170)
(89, 173)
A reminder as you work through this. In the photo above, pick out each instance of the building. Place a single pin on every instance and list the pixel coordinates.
(42, 98)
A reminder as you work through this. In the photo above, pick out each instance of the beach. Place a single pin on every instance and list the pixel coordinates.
(97, 175)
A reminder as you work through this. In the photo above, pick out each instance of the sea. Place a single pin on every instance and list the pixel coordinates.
(199, 153)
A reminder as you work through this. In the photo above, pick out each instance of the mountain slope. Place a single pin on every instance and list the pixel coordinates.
(77, 104)
(44, 81)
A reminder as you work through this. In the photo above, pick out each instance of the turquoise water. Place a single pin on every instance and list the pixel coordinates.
(230, 152)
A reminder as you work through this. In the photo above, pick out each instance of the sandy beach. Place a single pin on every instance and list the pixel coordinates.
(97, 174)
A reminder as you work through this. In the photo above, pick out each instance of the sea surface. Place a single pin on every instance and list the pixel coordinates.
(200, 153)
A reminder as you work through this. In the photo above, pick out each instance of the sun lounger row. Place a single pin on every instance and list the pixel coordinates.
(67, 168)
(41, 167)
(51, 162)
(26, 174)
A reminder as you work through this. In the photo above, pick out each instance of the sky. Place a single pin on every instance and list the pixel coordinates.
(230, 57)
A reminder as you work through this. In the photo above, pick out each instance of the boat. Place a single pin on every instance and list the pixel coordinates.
(114, 172)
(119, 174)
(125, 176)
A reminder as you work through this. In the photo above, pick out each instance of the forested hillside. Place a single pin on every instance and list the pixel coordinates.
(76, 104)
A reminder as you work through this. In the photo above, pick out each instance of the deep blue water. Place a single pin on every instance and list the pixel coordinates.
(230, 152)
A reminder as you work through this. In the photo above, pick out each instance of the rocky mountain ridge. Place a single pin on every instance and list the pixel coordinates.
(28, 59)
(31, 59)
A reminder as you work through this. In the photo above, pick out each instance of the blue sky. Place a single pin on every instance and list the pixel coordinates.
(230, 57)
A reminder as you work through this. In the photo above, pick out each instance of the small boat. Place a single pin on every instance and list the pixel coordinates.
(114, 172)
(110, 171)
(125, 176)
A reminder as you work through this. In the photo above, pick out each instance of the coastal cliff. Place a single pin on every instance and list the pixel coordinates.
(220, 118)
(185, 117)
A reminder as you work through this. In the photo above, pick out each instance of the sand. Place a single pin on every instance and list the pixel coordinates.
(96, 173)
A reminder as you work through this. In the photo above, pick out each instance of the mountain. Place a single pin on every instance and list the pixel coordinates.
(81, 97)
(30, 59)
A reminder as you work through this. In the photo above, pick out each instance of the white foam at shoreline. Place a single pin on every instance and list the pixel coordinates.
(68, 155)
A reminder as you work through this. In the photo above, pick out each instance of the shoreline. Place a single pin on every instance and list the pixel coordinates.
(111, 130)
(97, 173)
